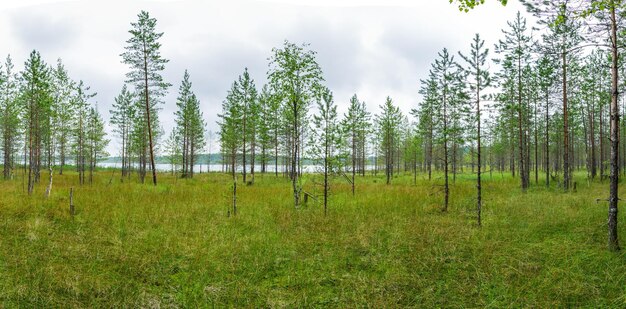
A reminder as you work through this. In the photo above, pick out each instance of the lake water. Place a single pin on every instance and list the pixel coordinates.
(218, 167)
(215, 167)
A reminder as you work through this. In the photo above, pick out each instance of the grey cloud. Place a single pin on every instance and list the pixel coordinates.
(43, 32)
(337, 48)
(371, 51)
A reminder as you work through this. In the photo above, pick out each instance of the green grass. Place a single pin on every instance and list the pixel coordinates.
(133, 245)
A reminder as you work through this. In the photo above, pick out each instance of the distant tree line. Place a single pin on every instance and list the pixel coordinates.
(539, 106)
(545, 107)
(47, 120)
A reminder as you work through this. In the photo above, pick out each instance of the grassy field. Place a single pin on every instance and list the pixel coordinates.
(133, 245)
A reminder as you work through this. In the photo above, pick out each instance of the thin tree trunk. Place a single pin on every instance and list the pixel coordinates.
(522, 165)
(602, 166)
(275, 152)
(566, 163)
(353, 157)
(326, 154)
(613, 193)
(445, 156)
(295, 150)
(479, 164)
(151, 145)
(244, 149)
(49, 188)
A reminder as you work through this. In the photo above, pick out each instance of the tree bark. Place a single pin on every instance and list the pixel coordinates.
(613, 193)
(566, 150)
(49, 188)
(151, 145)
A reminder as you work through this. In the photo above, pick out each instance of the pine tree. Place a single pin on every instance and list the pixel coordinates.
(562, 39)
(146, 64)
(81, 125)
(197, 133)
(515, 55)
(445, 73)
(230, 128)
(479, 80)
(604, 14)
(183, 123)
(264, 127)
(63, 110)
(123, 114)
(427, 118)
(355, 124)
(326, 140)
(37, 97)
(96, 141)
(11, 109)
(388, 127)
(246, 95)
(546, 75)
(272, 123)
(173, 150)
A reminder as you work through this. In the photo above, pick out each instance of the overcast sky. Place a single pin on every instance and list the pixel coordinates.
(374, 48)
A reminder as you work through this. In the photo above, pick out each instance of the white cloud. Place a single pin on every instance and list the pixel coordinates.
(373, 48)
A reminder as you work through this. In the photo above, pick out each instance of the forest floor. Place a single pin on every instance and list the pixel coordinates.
(174, 245)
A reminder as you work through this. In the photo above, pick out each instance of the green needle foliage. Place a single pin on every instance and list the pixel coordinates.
(190, 127)
(144, 58)
(327, 140)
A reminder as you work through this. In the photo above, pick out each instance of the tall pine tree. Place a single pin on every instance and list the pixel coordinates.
(146, 64)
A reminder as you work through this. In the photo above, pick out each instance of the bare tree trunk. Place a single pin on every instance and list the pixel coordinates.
(252, 157)
(123, 153)
(326, 154)
(446, 187)
(234, 193)
(244, 148)
(264, 159)
(566, 163)
(430, 149)
(592, 138)
(145, 71)
(192, 158)
(613, 193)
(30, 152)
(295, 150)
(388, 164)
(184, 156)
(478, 153)
(454, 162)
(602, 147)
(536, 145)
(353, 157)
(49, 188)
(415, 166)
(62, 154)
(520, 116)
(275, 152)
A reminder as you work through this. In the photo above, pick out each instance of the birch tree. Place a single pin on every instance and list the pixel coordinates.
(294, 76)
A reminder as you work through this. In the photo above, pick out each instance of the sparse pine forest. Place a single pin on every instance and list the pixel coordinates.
(500, 187)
